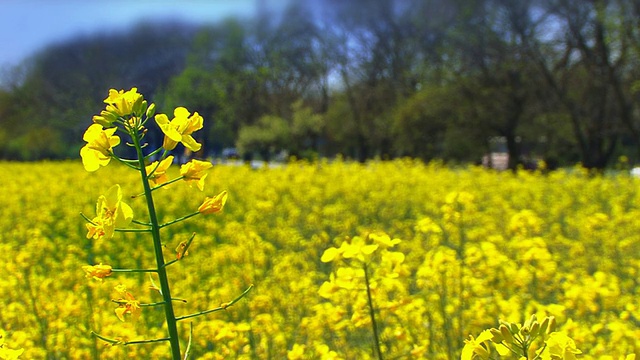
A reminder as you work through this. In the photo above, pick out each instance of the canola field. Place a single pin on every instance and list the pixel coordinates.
(449, 252)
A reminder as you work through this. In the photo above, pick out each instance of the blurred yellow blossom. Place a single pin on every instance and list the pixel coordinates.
(127, 304)
(560, 346)
(111, 213)
(213, 205)
(193, 172)
(5, 352)
(477, 347)
(98, 272)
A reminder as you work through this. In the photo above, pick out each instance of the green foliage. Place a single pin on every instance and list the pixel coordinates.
(267, 136)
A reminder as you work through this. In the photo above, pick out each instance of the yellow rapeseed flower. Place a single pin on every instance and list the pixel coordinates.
(193, 172)
(5, 352)
(213, 205)
(159, 171)
(99, 148)
(98, 272)
(359, 249)
(297, 352)
(111, 213)
(120, 104)
(476, 348)
(180, 129)
(127, 304)
(560, 346)
(123, 102)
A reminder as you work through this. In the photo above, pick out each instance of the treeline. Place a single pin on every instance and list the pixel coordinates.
(453, 80)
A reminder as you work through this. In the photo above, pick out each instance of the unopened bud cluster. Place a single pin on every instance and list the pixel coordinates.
(518, 336)
(532, 340)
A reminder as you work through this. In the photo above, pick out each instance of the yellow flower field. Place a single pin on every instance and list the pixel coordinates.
(449, 252)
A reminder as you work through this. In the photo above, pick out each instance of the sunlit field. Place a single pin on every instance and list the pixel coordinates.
(477, 246)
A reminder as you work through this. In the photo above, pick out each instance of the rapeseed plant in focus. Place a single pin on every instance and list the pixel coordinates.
(127, 113)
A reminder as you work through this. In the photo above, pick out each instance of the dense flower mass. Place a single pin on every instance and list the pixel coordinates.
(448, 253)
(120, 104)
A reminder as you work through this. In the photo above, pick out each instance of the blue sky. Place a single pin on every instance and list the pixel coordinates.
(26, 26)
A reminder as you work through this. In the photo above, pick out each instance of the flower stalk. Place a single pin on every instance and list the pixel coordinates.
(172, 328)
(127, 114)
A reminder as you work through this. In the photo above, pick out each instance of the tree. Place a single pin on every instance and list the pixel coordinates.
(61, 85)
(266, 137)
(586, 60)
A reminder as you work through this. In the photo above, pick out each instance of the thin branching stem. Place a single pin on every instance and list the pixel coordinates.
(134, 270)
(372, 314)
(121, 342)
(219, 308)
(179, 219)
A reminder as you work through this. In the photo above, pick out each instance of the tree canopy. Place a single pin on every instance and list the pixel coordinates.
(434, 79)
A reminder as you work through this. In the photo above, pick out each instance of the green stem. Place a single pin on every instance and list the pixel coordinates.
(124, 161)
(140, 222)
(179, 219)
(161, 185)
(134, 270)
(187, 352)
(157, 244)
(120, 342)
(155, 152)
(120, 230)
(372, 314)
(132, 230)
(170, 262)
(219, 308)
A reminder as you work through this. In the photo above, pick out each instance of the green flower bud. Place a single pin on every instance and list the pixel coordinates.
(535, 328)
(531, 320)
(497, 336)
(138, 106)
(544, 325)
(482, 352)
(506, 334)
(513, 327)
(151, 110)
(552, 325)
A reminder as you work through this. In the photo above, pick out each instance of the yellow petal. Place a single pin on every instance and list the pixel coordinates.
(190, 143)
(90, 161)
(330, 254)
